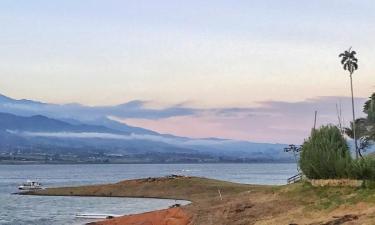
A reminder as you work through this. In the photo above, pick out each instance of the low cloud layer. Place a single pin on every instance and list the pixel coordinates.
(111, 136)
(95, 135)
(133, 109)
(270, 121)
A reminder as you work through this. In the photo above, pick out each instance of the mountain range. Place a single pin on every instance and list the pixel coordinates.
(30, 127)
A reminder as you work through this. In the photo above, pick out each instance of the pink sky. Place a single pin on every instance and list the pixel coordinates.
(269, 58)
(282, 122)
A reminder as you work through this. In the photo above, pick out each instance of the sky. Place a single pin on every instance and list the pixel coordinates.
(262, 58)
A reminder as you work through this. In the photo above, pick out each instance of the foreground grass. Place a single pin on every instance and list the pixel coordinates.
(245, 204)
(326, 198)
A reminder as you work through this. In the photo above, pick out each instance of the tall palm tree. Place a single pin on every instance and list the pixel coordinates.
(349, 62)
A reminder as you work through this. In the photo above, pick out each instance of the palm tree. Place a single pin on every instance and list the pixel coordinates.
(349, 62)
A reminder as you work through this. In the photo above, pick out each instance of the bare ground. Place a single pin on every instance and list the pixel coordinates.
(241, 204)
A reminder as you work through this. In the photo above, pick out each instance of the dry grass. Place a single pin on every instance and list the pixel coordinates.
(245, 204)
(336, 183)
(186, 188)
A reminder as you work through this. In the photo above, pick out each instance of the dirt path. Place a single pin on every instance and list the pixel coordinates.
(173, 216)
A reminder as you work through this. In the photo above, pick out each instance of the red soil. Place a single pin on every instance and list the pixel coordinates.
(172, 216)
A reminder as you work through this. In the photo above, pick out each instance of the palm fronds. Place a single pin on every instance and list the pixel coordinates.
(349, 61)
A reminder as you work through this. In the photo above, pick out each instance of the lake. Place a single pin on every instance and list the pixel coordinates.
(47, 210)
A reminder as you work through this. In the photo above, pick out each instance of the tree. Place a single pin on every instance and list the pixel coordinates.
(365, 127)
(369, 110)
(350, 63)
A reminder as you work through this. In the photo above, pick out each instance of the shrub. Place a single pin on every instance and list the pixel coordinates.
(363, 169)
(325, 155)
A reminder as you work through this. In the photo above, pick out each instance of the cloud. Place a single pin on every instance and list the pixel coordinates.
(132, 109)
(270, 121)
(96, 135)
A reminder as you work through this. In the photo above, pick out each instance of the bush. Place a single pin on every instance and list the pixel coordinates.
(325, 155)
(363, 169)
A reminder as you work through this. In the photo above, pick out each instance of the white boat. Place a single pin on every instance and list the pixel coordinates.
(96, 216)
(30, 186)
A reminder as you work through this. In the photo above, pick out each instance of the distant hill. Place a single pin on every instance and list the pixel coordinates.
(30, 126)
(71, 113)
(44, 124)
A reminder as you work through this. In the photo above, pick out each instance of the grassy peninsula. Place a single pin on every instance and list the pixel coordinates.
(236, 204)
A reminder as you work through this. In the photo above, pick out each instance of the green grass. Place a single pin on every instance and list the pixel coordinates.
(328, 198)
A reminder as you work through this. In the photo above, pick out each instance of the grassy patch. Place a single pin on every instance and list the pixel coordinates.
(327, 198)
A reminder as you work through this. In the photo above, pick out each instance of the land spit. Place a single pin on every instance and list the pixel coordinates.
(215, 202)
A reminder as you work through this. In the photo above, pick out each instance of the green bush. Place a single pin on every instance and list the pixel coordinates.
(363, 169)
(325, 155)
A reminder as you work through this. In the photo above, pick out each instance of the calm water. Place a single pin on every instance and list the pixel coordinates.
(28, 210)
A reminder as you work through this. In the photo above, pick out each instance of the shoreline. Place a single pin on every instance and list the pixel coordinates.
(169, 216)
(158, 217)
(140, 163)
(215, 202)
(99, 196)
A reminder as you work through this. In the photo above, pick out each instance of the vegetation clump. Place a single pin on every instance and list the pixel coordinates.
(363, 168)
(325, 154)
(364, 127)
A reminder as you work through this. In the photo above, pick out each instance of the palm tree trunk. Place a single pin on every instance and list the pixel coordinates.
(354, 125)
